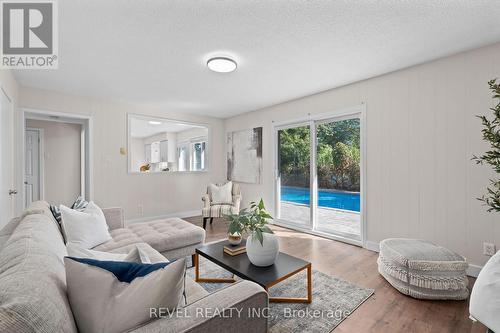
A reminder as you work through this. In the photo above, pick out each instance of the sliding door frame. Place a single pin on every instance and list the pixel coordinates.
(277, 178)
(357, 111)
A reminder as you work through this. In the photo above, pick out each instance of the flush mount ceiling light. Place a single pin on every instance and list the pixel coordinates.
(153, 122)
(221, 64)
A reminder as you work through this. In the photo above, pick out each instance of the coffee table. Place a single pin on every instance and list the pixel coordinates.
(284, 267)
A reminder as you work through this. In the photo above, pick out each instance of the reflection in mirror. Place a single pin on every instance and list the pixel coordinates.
(162, 145)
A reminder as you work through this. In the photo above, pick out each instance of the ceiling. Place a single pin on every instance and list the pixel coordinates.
(154, 52)
(141, 127)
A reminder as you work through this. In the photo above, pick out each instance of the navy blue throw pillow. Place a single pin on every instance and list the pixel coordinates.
(124, 271)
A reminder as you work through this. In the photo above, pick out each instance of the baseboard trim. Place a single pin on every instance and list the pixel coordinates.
(188, 213)
(372, 246)
(317, 233)
(472, 271)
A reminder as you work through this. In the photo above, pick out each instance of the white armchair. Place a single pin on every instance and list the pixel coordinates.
(209, 210)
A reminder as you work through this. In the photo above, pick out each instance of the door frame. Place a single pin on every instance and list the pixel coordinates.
(311, 120)
(87, 147)
(15, 200)
(41, 161)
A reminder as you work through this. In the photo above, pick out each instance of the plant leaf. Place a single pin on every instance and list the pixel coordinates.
(261, 204)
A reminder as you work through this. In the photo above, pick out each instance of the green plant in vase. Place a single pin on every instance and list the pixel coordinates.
(253, 220)
(262, 245)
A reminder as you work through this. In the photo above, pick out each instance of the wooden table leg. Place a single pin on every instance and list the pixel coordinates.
(309, 284)
(196, 267)
(197, 277)
(307, 299)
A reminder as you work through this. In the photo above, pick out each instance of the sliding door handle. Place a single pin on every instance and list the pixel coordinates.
(12, 192)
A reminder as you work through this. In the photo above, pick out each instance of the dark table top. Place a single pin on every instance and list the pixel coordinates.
(284, 266)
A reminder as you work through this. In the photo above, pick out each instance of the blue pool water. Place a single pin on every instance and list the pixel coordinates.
(340, 200)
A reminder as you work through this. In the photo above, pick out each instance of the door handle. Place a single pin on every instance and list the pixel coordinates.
(12, 192)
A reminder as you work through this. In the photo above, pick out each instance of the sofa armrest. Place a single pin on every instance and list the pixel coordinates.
(114, 217)
(238, 307)
(206, 200)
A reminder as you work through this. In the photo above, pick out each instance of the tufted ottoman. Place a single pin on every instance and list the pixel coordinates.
(422, 269)
(174, 238)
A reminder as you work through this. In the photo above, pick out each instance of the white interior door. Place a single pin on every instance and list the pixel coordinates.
(7, 191)
(32, 170)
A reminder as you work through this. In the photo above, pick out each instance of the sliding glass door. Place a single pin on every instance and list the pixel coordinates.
(338, 177)
(294, 169)
(319, 175)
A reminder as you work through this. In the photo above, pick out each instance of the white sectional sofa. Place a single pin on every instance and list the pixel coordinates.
(33, 294)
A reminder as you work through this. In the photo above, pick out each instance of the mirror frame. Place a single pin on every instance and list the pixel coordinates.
(208, 147)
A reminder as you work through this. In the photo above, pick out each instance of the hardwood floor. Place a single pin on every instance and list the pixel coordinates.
(387, 310)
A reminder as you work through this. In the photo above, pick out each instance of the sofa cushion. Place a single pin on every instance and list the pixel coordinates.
(8, 229)
(37, 207)
(162, 235)
(219, 210)
(136, 254)
(32, 279)
(40, 207)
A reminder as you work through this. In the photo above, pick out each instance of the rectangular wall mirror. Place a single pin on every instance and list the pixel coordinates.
(165, 145)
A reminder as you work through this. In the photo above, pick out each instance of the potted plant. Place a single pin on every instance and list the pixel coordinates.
(491, 134)
(262, 244)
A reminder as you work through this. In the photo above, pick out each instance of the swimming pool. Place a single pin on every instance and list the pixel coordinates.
(339, 200)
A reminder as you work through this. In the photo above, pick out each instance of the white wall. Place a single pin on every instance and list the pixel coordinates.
(157, 193)
(9, 83)
(62, 160)
(191, 134)
(156, 137)
(421, 135)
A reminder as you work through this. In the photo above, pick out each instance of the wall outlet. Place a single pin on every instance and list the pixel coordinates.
(140, 209)
(489, 249)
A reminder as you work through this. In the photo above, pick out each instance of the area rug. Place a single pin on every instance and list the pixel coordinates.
(333, 300)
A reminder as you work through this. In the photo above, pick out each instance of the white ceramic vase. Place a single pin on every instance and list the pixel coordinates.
(262, 254)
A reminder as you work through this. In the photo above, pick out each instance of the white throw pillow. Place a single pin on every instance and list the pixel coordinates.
(137, 254)
(221, 195)
(86, 229)
(114, 297)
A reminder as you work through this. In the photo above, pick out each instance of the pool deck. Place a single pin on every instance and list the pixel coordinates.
(329, 219)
